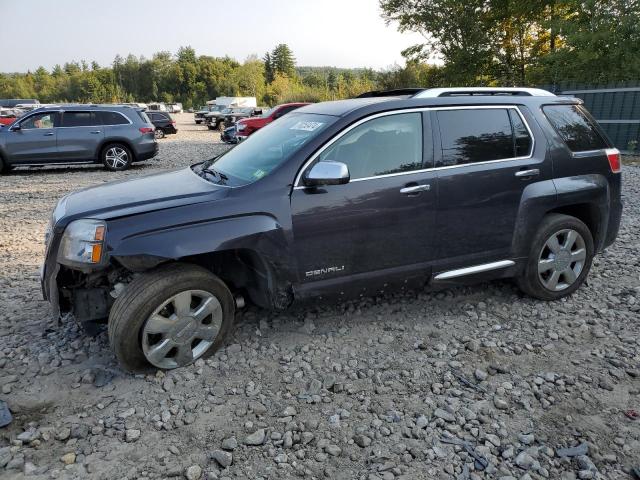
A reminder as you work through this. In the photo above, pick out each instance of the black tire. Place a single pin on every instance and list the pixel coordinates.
(530, 282)
(145, 293)
(198, 122)
(210, 127)
(4, 168)
(158, 133)
(116, 165)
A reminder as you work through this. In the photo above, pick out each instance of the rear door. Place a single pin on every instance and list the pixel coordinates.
(485, 159)
(35, 141)
(79, 135)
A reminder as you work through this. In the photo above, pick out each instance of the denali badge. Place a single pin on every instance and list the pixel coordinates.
(323, 271)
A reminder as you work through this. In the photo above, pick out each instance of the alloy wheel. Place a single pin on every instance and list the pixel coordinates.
(181, 329)
(117, 157)
(561, 260)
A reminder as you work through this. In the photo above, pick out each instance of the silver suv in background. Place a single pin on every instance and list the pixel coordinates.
(112, 135)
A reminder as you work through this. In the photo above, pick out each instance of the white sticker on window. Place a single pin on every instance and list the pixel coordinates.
(307, 126)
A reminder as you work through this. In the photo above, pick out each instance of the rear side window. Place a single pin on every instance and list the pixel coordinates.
(481, 135)
(113, 118)
(575, 127)
(79, 119)
(144, 117)
(382, 146)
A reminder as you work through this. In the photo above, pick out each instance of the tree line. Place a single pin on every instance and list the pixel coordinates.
(475, 42)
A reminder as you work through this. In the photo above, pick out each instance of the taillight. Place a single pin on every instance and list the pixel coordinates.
(613, 155)
(173, 122)
(146, 129)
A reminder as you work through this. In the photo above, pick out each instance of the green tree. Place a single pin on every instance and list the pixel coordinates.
(282, 61)
(269, 74)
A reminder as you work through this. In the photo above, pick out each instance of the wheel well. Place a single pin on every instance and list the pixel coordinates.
(586, 213)
(113, 142)
(242, 270)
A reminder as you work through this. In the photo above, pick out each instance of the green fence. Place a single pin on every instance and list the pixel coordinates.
(615, 106)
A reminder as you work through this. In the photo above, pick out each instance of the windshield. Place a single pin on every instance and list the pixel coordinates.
(267, 112)
(266, 149)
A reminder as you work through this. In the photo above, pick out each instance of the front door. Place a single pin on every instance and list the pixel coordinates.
(380, 224)
(79, 136)
(35, 140)
(485, 160)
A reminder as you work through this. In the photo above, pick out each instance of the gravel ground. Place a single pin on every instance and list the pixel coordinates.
(468, 383)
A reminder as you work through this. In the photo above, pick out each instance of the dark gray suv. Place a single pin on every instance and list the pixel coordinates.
(112, 135)
(340, 199)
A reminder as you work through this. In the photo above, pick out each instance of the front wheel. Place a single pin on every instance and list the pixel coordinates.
(559, 259)
(116, 157)
(170, 317)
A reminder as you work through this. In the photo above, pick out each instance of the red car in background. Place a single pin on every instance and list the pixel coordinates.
(7, 116)
(247, 126)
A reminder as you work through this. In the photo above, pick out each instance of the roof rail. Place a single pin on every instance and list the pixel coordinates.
(471, 91)
(398, 92)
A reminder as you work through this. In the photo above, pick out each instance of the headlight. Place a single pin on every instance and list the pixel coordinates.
(241, 127)
(82, 242)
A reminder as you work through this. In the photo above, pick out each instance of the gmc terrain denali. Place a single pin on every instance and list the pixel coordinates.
(339, 198)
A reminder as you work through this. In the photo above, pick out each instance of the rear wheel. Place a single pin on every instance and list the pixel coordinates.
(560, 258)
(158, 133)
(170, 317)
(116, 157)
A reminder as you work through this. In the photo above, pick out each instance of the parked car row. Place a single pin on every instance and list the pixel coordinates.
(238, 130)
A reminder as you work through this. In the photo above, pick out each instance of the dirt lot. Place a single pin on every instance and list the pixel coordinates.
(362, 390)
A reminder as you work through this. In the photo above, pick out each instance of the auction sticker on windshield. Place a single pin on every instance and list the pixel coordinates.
(307, 126)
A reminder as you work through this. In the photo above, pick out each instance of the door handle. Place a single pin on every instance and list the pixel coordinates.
(528, 173)
(50, 134)
(415, 189)
(96, 131)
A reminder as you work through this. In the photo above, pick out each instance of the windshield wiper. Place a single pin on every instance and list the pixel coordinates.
(219, 176)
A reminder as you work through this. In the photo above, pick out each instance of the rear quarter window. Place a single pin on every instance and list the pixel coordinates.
(575, 126)
(113, 118)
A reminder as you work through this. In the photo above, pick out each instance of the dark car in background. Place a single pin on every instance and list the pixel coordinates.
(199, 115)
(225, 118)
(340, 199)
(163, 123)
(113, 135)
(230, 135)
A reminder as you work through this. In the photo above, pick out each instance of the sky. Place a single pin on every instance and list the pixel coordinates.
(340, 33)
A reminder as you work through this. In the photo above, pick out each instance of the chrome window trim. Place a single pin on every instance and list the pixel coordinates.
(298, 186)
(485, 267)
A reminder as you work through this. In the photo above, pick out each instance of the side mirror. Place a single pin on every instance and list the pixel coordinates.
(16, 127)
(327, 172)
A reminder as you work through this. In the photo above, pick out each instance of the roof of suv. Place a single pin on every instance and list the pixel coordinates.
(83, 107)
(341, 108)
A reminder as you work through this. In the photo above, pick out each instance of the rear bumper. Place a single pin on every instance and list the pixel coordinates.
(615, 217)
(147, 151)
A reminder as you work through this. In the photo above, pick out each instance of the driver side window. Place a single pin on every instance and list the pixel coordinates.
(39, 120)
(382, 146)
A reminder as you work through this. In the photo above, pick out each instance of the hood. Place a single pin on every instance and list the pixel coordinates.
(254, 120)
(129, 197)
